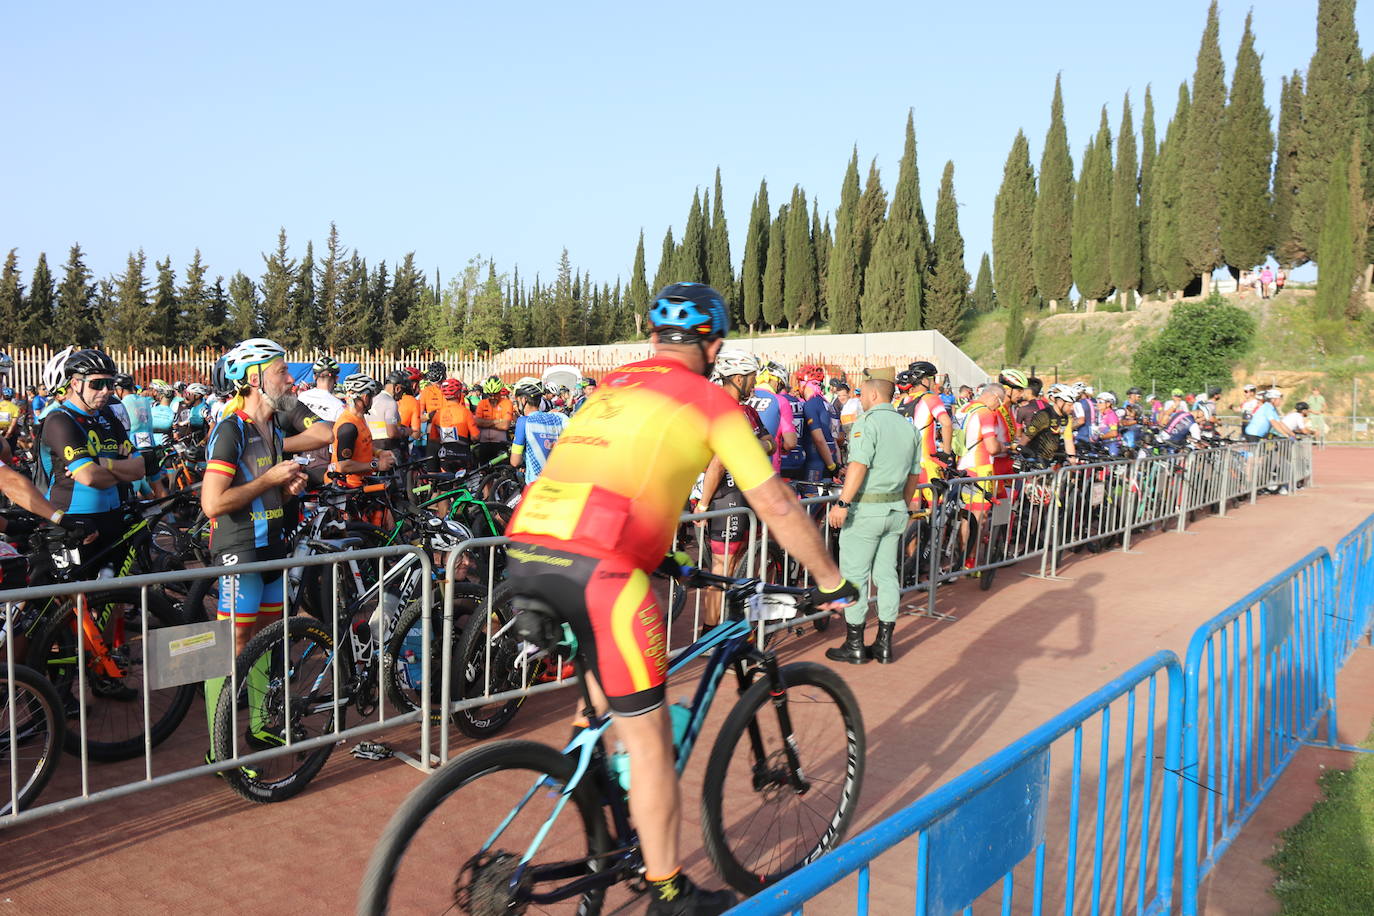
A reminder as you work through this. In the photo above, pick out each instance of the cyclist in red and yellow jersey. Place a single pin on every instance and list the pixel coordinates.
(601, 516)
(932, 421)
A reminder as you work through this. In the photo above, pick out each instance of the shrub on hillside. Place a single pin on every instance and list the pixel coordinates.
(1197, 347)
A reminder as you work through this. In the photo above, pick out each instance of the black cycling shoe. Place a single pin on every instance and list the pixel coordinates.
(692, 901)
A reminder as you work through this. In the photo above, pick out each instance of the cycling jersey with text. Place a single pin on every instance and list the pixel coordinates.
(73, 439)
(238, 451)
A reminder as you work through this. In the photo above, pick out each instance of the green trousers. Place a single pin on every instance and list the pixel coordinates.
(869, 544)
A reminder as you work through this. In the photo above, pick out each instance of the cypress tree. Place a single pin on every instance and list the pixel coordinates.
(1053, 226)
(12, 295)
(402, 304)
(243, 307)
(883, 307)
(844, 272)
(667, 269)
(773, 273)
(277, 317)
(719, 270)
(984, 298)
(1125, 219)
(691, 258)
(1199, 222)
(1013, 217)
(1288, 250)
(1367, 161)
(40, 305)
(638, 302)
(1247, 156)
(1338, 268)
(73, 319)
(871, 214)
(1149, 149)
(128, 321)
(166, 308)
(1092, 209)
(908, 233)
(355, 323)
(1171, 270)
(947, 301)
(1331, 110)
(755, 259)
(375, 308)
(800, 295)
(821, 242)
(563, 300)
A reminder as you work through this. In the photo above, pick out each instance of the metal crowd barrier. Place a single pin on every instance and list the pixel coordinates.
(1009, 824)
(1354, 606)
(192, 648)
(1257, 685)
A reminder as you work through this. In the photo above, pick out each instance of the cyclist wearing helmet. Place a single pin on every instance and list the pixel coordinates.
(931, 418)
(600, 518)
(431, 398)
(321, 399)
(495, 417)
(10, 414)
(775, 413)
(353, 454)
(1266, 421)
(408, 410)
(536, 429)
(905, 399)
(1017, 386)
(1296, 420)
(1085, 418)
(1051, 429)
(384, 416)
(456, 428)
(163, 413)
(586, 387)
(1108, 423)
(86, 455)
(190, 417)
(136, 413)
(792, 465)
(822, 462)
(1030, 403)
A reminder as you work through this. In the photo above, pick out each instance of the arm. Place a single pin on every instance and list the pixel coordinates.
(517, 447)
(822, 449)
(346, 440)
(217, 497)
(315, 436)
(1283, 430)
(945, 426)
(715, 472)
(24, 494)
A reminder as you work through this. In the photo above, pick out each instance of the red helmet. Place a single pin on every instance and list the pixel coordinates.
(413, 375)
(810, 374)
(452, 388)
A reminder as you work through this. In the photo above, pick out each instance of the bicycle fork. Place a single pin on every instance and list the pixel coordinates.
(777, 693)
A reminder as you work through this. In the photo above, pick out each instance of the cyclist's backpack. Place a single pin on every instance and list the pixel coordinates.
(959, 443)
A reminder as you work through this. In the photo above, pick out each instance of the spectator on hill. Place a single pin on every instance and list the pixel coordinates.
(1316, 417)
(1297, 419)
(1266, 421)
(1266, 282)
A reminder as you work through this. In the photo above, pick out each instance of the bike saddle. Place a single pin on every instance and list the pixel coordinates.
(537, 623)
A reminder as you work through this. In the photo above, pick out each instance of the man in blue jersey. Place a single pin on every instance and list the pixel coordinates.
(536, 430)
(135, 411)
(818, 440)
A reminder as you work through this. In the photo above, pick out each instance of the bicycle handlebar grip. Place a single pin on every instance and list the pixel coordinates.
(374, 488)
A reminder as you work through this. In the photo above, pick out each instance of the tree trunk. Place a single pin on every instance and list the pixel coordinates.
(1054, 306)
(1206, 283)
(1090, 306)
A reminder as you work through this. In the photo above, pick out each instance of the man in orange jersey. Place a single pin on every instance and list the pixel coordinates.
(457, 429)
(431, 399)
(601, 516)
(408, 408)
(495, 417)
(353, 454)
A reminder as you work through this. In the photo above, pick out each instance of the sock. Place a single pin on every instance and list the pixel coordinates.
(258, 676)
(669, 888)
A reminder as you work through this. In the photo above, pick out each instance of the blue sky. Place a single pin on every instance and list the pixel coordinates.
(514, 130)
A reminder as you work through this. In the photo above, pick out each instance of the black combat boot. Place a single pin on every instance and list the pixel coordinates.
(852, 650)
(881, 650)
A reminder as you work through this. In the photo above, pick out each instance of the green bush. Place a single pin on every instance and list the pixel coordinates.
(1197, 347)
(1108, 307)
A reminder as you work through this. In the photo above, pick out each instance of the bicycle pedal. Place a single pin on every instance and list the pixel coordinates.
(371, 750)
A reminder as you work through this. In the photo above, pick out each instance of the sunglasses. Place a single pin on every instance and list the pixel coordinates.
(100, 384)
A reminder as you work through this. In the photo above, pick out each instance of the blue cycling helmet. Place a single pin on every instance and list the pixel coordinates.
(688, 313)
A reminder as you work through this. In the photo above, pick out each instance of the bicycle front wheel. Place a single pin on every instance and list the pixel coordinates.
(763, 815)
(39, 725)
(455, 844)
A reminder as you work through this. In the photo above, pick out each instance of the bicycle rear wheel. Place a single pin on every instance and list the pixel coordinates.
(758, 827)
(492, 664)
(401, 663)
(432, 859)
(40, 725)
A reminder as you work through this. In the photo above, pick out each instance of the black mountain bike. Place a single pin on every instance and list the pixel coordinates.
(780, 789)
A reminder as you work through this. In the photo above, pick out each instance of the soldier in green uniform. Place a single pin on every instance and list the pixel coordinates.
(871, 514)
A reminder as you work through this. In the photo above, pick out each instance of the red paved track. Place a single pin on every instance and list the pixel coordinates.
(1017, 655)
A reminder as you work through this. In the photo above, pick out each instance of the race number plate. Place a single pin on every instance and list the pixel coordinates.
(772, 607)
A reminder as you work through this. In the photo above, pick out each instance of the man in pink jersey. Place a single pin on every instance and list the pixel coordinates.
(774, 411)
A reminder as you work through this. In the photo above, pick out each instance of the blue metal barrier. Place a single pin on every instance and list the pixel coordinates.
(1354, 605)
(980, 830)
(1258, 682)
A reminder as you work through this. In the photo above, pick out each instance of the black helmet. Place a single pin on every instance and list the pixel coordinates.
(906, 377)
(396, 377)
(1302, 405)
(1213, 391)
(88, 362)
(922, 369)
(436, 372)
(1134, 389)
(124, 380)
(689, 312)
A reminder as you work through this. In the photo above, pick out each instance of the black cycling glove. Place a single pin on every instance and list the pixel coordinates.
(845, 593)
(675, 564)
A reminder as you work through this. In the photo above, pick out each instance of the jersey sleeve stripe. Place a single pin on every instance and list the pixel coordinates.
(221, 467)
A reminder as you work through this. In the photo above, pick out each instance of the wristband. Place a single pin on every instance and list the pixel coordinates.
(56, 517)
(831, 468)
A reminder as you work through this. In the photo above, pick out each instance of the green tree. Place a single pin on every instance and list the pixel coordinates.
(166, 307)
(667, 271)
(822, 241)
(329, 289)
(402, 302)
(376, 308)
(277, 312)
(217, 316)
(1149, 150)
(1013, 218)
(1341, 241)
(1092, 208)
(1197, 347)
(1367, 161)
(908, 233)
(1199, 220)
(41, 304)
(638, 303)
(303, 302)
(844, 272)
(244, 307)
(1052, 237)
(691, 256)
(73, 319)
(755, 259)
(774, 275)
(800, 290)
(1170, 269)
(12, 295)
(1331, 110)
(871, 214)
(984, 296)
(128, 321)
(1288, 249)
(563, 304)
(1125, 218)
(1014, 343)
(719, 271)
(947, 300)
(197, 326)
(1247, 156)
(355, 324)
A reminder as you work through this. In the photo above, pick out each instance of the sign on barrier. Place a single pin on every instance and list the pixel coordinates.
(188, 654)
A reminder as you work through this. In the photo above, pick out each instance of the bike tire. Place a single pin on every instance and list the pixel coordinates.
(490, 762)
(116, 702)
(470, 677)
(992, 554)
(283, 777)
(400, 673)
(802, 681)
(41, 725)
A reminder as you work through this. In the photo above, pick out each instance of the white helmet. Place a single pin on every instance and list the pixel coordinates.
(1089, 389)
(198, 389)
(360, 384)
(1107, 396)
(1272, 394)
(1078, 389)
(732, 361)
(1061, 392)
(250, 353)
(54, 374)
